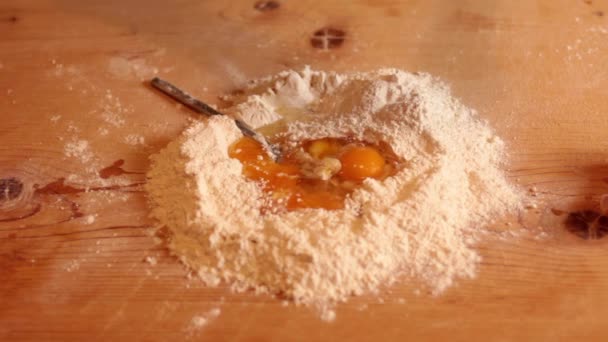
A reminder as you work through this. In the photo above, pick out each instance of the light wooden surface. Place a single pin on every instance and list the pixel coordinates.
(537, 70)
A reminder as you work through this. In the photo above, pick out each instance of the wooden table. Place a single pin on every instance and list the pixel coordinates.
(78, 122)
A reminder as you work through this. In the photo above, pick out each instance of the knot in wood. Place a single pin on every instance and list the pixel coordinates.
(10, 188)
(587, 224)
(327, 38)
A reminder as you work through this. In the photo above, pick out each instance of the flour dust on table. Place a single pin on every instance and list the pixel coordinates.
(418, 220)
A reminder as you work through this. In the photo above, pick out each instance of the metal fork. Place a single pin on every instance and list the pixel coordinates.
(202, 108)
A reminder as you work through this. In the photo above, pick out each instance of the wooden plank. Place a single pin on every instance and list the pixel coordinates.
(73, 245)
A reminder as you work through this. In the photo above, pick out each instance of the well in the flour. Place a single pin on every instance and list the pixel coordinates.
(318, 173)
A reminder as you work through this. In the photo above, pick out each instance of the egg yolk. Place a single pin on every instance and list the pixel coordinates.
(361, 162)
(289, 187)
(258, 166)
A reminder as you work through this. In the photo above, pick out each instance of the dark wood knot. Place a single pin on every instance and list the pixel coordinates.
(587, 224)
(327, 38)
(264, 6)
(10, 188)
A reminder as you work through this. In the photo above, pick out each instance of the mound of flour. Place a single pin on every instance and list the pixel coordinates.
(419, 223)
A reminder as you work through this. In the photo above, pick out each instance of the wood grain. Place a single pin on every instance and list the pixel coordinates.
(73, 244)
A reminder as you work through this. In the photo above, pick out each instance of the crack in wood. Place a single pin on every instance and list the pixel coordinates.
(11, 188)
(59, 187)
(79, 232)
(31, 213)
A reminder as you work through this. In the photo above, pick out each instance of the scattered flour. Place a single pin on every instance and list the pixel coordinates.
(112, 110)
(89, 219)
(328, 315)
(124, 68)
(151, 260)
(213, 313)
(200, 321)
(134, 140)
(73, 265)
(103, 131)
(79, 148)
(419, 223)
(73, 128)
(88, 176)
(112, 118)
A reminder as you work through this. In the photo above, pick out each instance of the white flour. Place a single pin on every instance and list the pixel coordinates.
(79, 149)
(134, 139)
(419, 223)
(199, 321)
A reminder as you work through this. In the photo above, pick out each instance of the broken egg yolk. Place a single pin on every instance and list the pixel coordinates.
(313, 174)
